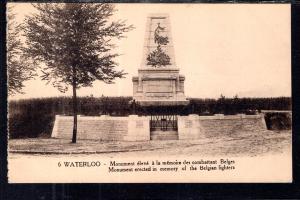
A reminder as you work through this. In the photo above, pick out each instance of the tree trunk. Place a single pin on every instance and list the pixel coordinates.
(74, 137)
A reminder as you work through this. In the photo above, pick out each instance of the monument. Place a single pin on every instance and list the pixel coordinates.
(159, 91)
(158, 82)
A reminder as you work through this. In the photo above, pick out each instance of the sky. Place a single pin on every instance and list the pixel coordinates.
(229, 49)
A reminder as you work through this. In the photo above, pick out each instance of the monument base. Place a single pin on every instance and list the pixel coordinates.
(163, 103)
(163, 86)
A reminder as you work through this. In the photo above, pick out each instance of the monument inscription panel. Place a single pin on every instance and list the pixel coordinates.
(160, 86)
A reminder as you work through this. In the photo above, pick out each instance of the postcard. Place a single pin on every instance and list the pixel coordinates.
(149, 93)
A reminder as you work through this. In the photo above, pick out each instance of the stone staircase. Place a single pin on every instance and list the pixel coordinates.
(164, 135)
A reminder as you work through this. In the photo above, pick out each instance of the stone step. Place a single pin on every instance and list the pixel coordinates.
(164, 135)
(159, 137)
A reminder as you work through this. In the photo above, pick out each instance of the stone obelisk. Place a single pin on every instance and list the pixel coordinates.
(158, 81)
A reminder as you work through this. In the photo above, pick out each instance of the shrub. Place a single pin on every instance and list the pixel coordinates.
(278, 121)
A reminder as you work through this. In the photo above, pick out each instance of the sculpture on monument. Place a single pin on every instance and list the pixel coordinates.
(158, 57)
(158, 38)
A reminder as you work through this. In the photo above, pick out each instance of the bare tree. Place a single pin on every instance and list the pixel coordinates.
(74, 42)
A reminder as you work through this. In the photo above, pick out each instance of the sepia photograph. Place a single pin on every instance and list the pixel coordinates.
(149, 93)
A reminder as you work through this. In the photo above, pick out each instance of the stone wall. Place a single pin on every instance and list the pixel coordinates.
(131, 128)
(197, 127)
(135, 128)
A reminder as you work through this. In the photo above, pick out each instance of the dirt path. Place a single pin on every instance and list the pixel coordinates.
(247, 145)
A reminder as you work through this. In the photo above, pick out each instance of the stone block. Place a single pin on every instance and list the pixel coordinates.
(189, 127)
(138, 128)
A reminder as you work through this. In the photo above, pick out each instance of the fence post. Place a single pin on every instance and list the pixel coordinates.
(133, 107)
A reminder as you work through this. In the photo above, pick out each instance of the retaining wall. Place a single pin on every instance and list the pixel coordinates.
(197, 127)
(135, 128)
(131, 128)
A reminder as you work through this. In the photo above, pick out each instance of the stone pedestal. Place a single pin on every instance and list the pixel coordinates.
(159, 87)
